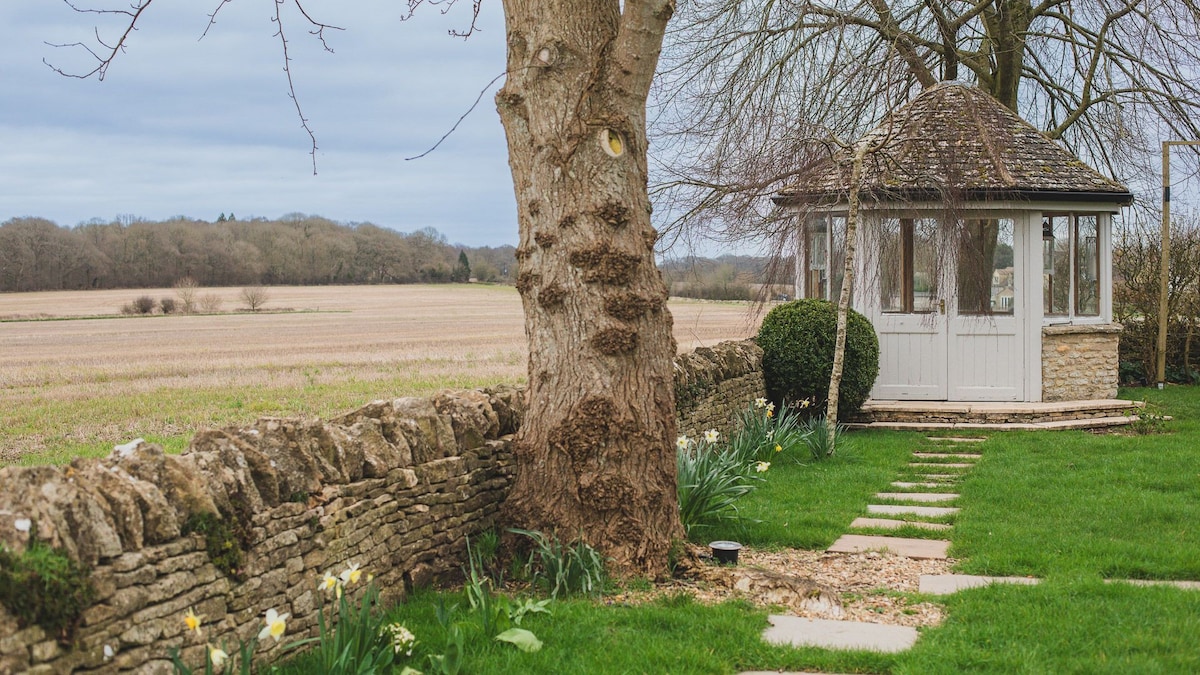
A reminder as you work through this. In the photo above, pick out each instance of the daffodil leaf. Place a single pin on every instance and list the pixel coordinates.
(523, 639)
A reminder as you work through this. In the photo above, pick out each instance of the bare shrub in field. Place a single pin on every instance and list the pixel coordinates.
(144, 304)
(210, 303)
(255, 297)
(167, 304)
(185, 288)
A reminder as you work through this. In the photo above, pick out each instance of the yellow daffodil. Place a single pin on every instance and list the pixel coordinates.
(805, 403)
(217, 657)
(276, 623)
(778, 448)
(762, 467)
(351, 574)
(193, 620)
(711, 435)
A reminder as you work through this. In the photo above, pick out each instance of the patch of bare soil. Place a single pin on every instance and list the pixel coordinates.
(872, 587)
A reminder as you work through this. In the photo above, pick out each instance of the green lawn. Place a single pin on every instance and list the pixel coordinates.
(1071, 507)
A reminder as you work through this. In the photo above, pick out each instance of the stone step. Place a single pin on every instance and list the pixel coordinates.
(895, 510)
(919, 549)
(955, 439)
(1057, 425)
(903, 484)
(889, 524)
(956, 455)
(943, 476)
(1185, 585)
(918, 496)
(945, 584)
(940, 465)
(830, 634)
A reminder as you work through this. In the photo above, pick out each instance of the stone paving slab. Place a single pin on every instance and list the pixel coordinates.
(957, 455)
(888, 523)
(1185, 585)
(945, 584)
(904, 484)
(897, 510)
(918, 496)
(954, 439)
(918, 549)
(941, 465)
(943, 476)
(829, 634)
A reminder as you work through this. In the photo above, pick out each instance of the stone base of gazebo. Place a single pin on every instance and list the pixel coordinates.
(966, 416)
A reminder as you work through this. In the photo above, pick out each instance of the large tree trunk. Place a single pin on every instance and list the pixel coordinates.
(1007, 25)
(595, 455)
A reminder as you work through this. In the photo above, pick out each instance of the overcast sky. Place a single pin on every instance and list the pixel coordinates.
(184, 126)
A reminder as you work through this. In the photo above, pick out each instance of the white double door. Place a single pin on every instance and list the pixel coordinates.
(948, 352)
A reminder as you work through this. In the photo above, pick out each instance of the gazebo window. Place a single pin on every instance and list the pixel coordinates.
(985, 266)
(824, 270)
(908, 265)
(1070, 264)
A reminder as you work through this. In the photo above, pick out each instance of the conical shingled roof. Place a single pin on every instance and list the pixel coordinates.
(955, 138)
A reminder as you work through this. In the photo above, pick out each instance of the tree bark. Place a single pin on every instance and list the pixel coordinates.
(595, 456)
(843, 307)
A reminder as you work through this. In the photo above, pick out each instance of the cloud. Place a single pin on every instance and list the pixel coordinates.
(192, 127)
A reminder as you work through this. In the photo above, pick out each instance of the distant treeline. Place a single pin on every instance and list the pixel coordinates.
(728, 277)
(38, 255)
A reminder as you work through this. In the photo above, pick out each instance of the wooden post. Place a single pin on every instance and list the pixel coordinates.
(1164, 277)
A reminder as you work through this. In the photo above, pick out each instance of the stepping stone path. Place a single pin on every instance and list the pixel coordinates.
(931, 462)
(832, 634)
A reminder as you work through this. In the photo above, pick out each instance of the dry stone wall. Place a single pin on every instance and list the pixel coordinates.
(714, 384)
(1080, 362)
(394, 487)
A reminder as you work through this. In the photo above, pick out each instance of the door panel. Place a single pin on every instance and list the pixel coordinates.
(912, 359)
(969, 348)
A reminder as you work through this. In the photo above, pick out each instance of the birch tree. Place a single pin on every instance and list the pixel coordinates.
(595, 453)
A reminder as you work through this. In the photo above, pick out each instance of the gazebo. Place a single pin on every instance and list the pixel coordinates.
(985, 255)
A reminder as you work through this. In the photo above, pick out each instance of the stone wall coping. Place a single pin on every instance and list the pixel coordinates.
(1081, 329)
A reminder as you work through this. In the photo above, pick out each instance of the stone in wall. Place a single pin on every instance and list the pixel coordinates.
(1080, 362)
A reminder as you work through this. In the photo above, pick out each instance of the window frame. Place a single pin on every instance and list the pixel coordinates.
(1074, 269)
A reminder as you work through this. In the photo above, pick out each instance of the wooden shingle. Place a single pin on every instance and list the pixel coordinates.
(955, 140)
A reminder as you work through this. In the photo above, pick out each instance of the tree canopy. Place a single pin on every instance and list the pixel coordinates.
(752, 91)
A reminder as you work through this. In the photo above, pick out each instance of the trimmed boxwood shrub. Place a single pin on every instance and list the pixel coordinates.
(797, 339)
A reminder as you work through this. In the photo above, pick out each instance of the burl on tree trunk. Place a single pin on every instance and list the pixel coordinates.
(595, 455)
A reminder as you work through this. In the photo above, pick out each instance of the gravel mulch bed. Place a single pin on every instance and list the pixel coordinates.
(871, 587)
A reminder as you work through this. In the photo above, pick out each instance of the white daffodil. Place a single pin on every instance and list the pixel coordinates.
(276, 624)
(351, 574)
(762, 467)
(328, 582)
(711, 435)
(760, 403)
(681, 442)
(217, 657)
